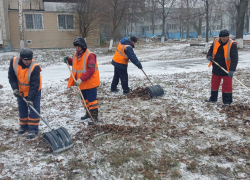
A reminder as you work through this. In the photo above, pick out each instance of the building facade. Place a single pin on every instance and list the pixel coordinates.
(45, 25)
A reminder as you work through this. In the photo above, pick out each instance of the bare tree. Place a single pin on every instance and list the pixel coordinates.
(247, 18)
(198, 23)
(164, 14)
(88, 13)
(134, 14)
(241, 11)
(151, 8)
(207, 18)
(21, 24)
(192, 14)
(113, 13)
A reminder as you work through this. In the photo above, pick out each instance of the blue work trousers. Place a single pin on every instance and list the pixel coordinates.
(28, 118)
(120, 74)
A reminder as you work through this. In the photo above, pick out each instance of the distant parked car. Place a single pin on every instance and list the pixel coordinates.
(246, 37)
(158, 37)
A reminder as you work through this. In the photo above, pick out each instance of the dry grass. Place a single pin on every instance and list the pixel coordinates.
(176, 136)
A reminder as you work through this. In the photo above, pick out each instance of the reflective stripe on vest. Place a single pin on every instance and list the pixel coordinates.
(29, 71)
(122, 48)
(84, 69)
(228, 49)
(215, 41)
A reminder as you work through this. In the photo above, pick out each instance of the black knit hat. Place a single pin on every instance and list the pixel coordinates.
(133, 38)
(26, 54)
(224, 33)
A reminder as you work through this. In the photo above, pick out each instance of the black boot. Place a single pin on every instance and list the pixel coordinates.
(22, 130)
(115, 90)
(125, 92)
(86, 116)
(227, 98)
(94, 114)
(213, 97)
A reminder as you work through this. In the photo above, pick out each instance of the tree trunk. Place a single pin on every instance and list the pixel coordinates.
(21, 24)
(111, 44)
(163, 26)
(207, 19)
(241, 10)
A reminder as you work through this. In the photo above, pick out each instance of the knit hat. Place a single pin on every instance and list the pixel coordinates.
(133, 38)
(26, 54)
(224, 33)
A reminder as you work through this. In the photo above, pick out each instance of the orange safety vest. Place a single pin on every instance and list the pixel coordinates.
(23, 76)
(79, 67)
(120, 56)
(226, 48)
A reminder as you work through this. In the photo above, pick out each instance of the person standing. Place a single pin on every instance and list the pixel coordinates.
(224, 52)
(26, 81)
(85, 70)
(123, 53)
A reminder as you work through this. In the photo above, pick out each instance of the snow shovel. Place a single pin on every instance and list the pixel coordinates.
(233, 76)
(154, 90)
(59, 139)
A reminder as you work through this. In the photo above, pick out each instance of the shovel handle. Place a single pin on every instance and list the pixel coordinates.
(79, 90)
(31, 107)
(233, 77)
(147, 77)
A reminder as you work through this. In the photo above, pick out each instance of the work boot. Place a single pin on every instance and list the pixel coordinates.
(227, 98)
(115, 90)
(86, 116)
(21, 130)
(213, 97)
(209, 100)
(125, 92)
(94, 114)
(31, 135)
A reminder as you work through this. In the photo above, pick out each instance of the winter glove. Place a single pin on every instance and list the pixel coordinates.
(231, 73)
(209, 58)
(65, 59)
(139, 66)
(78, 82)
(29, 103)
(16, 93)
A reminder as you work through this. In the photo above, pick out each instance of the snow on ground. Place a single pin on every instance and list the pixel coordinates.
(176, 136)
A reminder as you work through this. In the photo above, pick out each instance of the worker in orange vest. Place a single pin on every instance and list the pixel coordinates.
(224, 52)
(124, 52)
(85, 70)
(25, 80)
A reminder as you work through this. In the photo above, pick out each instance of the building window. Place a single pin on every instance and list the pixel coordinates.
(171, 27)
(65, 22)
(33, 21)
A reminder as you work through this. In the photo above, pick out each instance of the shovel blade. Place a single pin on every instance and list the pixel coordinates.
(59, 139)
(155, 91)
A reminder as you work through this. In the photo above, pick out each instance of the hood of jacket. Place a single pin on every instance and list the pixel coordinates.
(126, 41)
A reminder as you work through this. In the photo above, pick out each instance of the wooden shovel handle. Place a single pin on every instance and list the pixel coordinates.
(233, 76)
(147, 77)
(79, 90)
